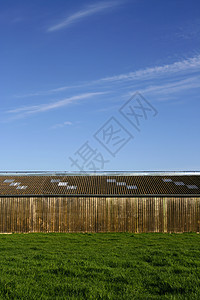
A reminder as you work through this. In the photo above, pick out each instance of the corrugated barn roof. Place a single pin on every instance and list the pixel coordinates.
(99, 185)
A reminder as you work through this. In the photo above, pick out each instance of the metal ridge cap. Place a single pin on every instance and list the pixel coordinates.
(98, 173)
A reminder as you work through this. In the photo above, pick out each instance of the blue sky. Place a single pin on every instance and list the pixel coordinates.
(68, 67)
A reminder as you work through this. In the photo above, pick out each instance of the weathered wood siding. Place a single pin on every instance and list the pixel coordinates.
(100, 214)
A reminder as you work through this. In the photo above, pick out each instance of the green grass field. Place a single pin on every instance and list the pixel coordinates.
(100, 266)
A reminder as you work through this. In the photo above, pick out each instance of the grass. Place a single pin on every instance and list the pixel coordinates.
(100, 266)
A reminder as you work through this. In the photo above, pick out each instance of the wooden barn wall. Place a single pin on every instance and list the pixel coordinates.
(102, 214)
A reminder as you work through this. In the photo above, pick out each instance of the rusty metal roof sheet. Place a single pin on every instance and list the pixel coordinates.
(99, 185)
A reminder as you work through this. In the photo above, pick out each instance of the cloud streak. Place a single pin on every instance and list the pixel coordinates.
(159, 81)
(178, 68)
(186, 65)
(61, 125)
(83, 14)
(172, 87)
(28, 110)
(49, 92)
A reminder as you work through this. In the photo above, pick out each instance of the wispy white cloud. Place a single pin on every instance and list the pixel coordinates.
(189, 30)
(23, 111)
(47, 92)
(178, 68)
(61, 125)
(172, 87)
(186, 65)
(82, 14)
(159, 81)
(11, 15)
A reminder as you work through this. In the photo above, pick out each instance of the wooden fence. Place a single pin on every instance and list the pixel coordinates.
(99, 214)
